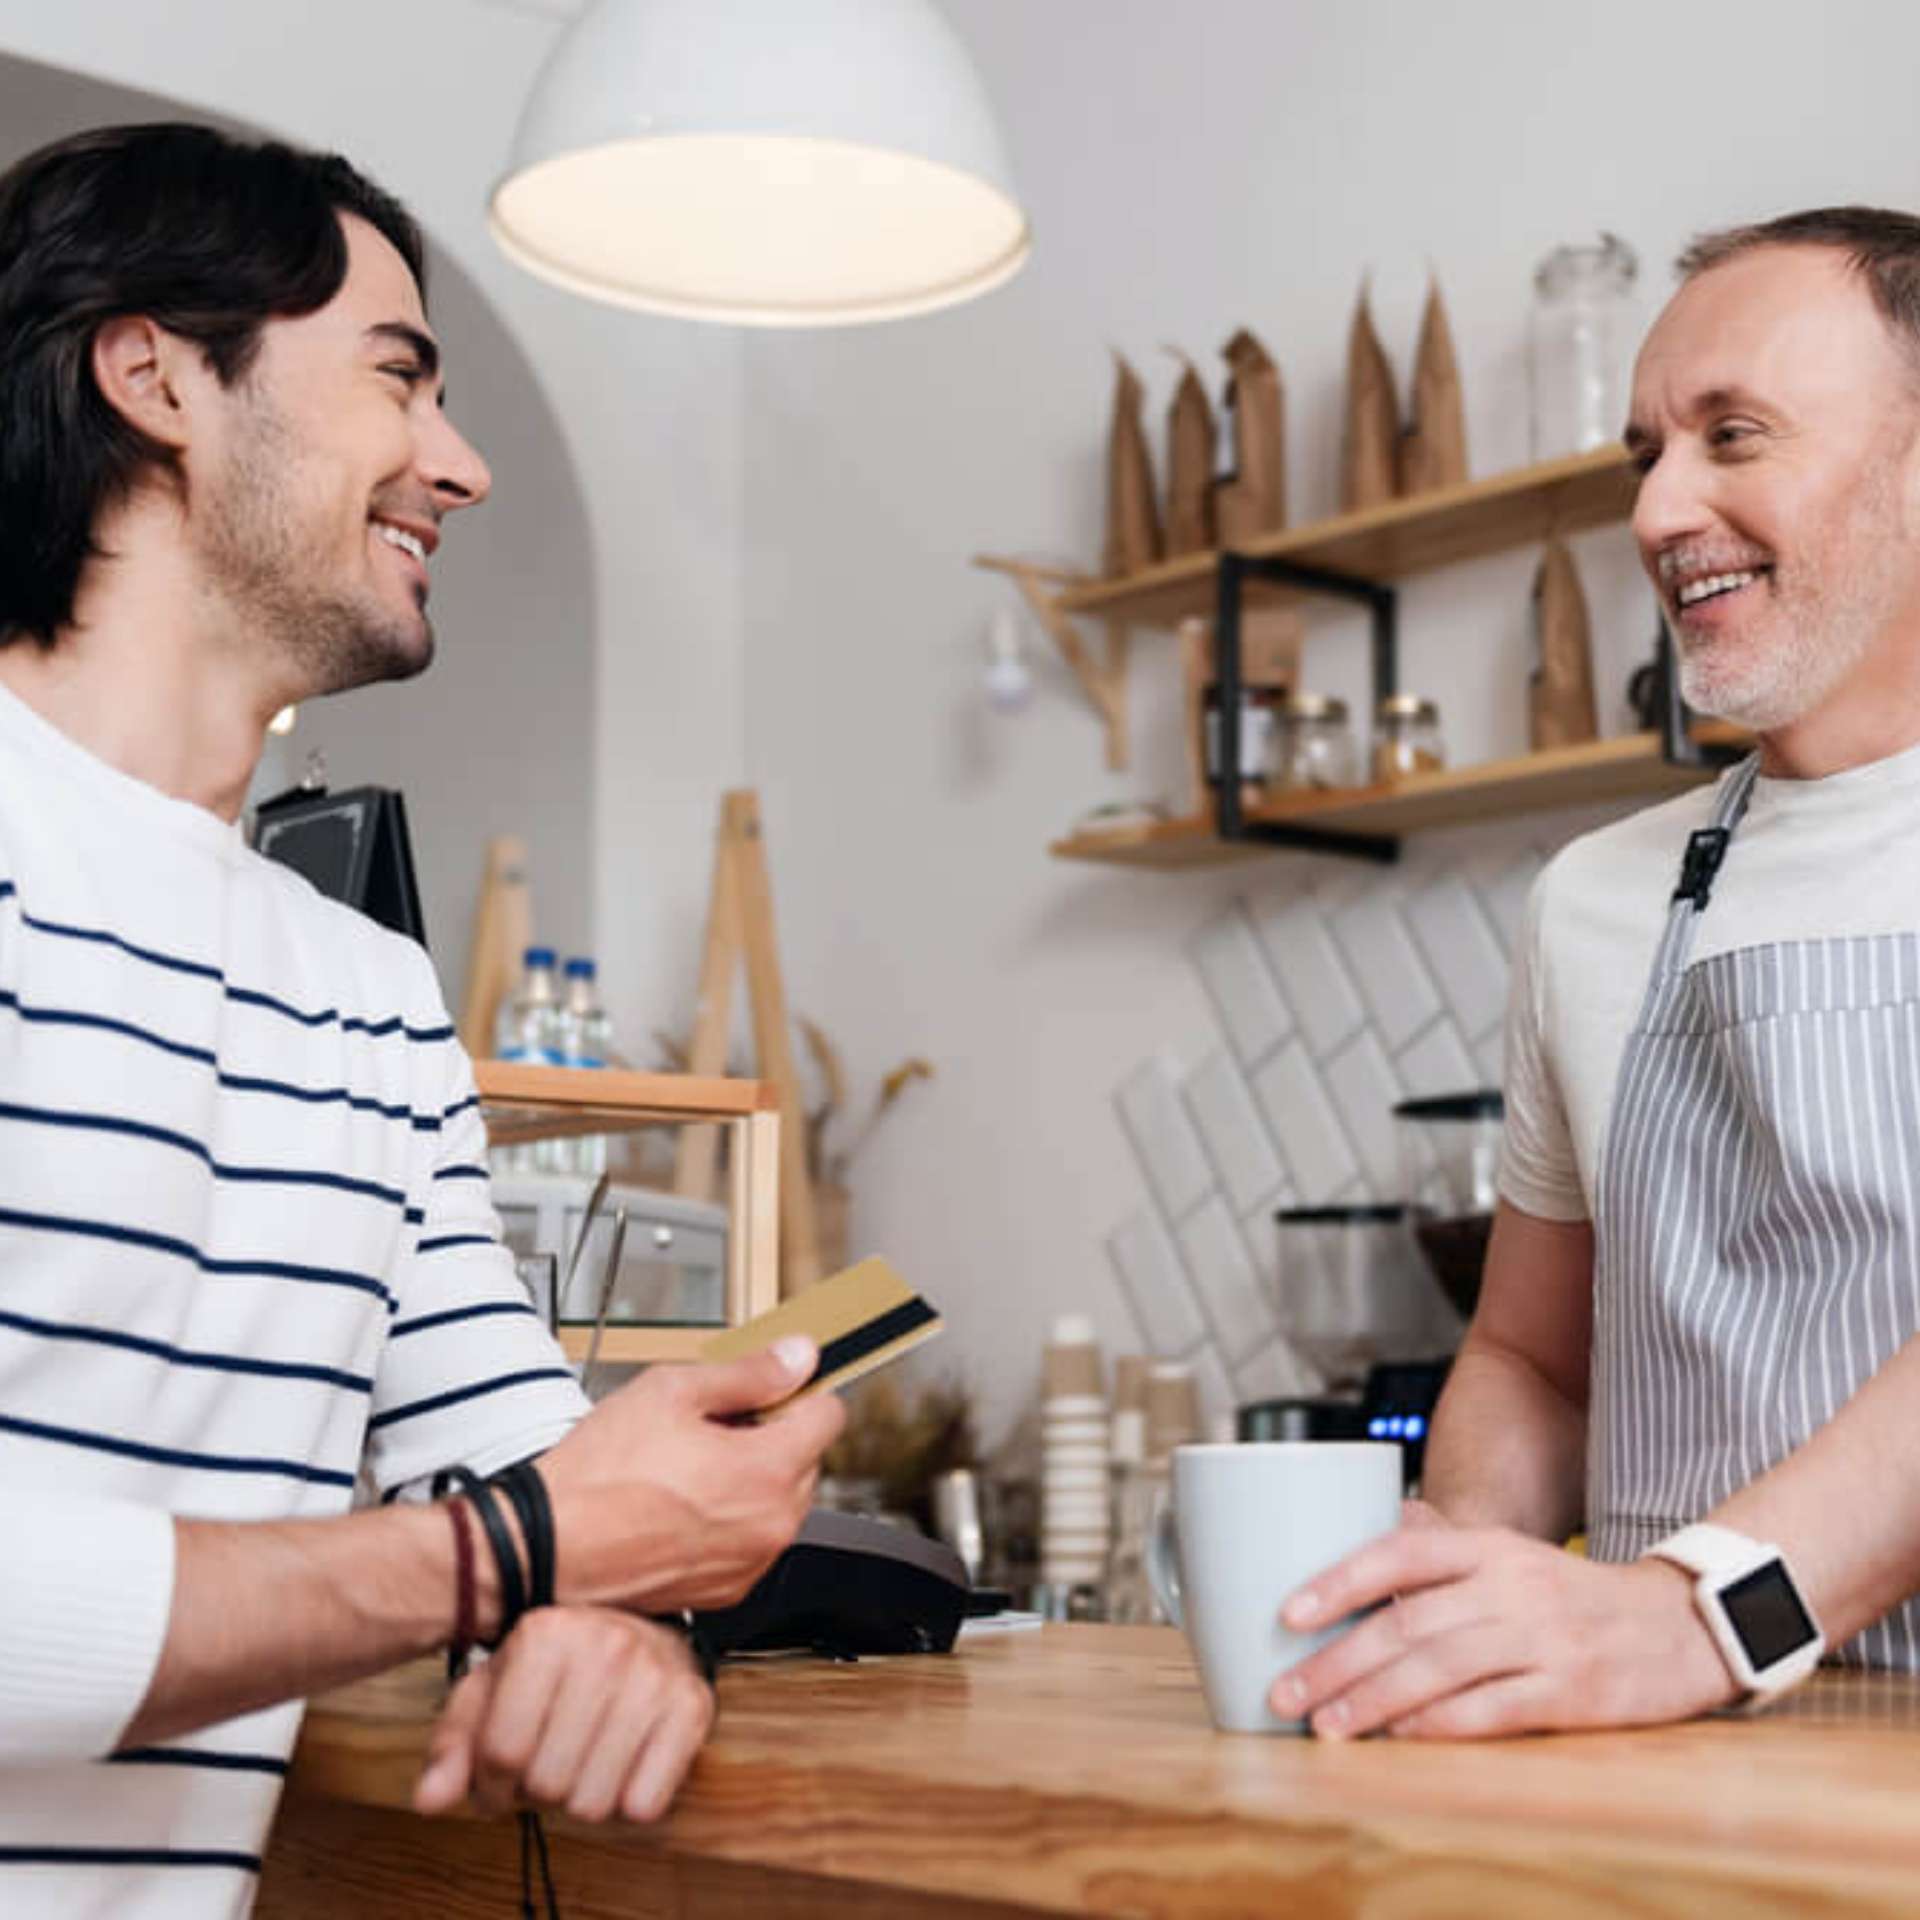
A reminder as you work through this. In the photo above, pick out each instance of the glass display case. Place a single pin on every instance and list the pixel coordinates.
(658, 1271)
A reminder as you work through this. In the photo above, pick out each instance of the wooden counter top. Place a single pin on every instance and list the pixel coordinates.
(1072, 1770)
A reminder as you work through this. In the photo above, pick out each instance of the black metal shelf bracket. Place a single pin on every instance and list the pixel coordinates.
(1383, 605)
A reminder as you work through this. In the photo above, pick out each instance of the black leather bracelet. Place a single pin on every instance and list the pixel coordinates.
(528, 1492)
(704, 1655)
(513, 1586)
(688, 1626)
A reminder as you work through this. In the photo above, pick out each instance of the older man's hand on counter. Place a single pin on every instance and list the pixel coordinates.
(582, 1708)
(1482, 1631)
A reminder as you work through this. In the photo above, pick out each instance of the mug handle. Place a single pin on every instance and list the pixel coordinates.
(1163, 1557)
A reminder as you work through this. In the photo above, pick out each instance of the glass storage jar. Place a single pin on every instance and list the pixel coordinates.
(1406, 738)
(1313, 747)
(1578, 338)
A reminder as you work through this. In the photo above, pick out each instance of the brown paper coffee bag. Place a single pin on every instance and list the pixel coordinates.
(1191, 439)
(1370, 463)
(1560, 701)
(1133, 515)
(1253, 498)
(1434, 452)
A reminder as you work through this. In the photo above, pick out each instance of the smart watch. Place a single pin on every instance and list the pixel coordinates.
(1765, 1631)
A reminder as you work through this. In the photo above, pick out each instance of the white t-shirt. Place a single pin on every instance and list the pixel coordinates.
(1813, 859)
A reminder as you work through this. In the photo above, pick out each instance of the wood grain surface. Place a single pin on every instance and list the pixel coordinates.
(1072, 1770)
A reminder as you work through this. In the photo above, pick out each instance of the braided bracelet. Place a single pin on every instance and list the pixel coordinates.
(513, 1586)
(522, 1485)
(465, 1598)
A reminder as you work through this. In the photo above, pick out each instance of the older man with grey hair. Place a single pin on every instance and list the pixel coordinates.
(1697, 1332)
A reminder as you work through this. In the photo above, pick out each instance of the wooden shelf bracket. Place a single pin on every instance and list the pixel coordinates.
(1105, 685)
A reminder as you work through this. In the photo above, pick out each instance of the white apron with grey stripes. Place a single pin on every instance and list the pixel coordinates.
(1757, 1239)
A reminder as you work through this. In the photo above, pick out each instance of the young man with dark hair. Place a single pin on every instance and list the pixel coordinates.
(1697, 1332)
(246, 1247)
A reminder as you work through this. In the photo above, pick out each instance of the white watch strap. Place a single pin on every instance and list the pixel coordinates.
(1706, 1549)
(1718, 1557)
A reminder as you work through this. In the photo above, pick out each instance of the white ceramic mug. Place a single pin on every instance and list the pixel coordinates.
(1248, 1526)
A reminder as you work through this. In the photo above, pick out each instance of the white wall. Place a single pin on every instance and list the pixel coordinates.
(777, 527)
(1188, 170)
(614, 537)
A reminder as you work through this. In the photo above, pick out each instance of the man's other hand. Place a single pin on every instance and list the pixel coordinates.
(665, 1497)
(581, 1708)
(1482, 1631)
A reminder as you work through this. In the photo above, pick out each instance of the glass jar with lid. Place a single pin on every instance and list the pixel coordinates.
(1313, 746)
(1406, 738)
(1578, 340)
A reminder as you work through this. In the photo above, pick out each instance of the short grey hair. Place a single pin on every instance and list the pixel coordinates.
(1882, 246)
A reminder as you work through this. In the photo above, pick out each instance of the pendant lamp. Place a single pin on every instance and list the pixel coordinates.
(763, 162)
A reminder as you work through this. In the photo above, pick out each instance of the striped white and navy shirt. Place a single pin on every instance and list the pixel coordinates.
(245, 1244)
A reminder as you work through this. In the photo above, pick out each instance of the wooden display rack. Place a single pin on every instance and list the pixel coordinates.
(1351, 553)
(1630, 766)
(558, 1101)
(521, 1103)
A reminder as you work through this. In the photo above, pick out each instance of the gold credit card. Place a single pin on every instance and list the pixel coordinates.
(859, 1319)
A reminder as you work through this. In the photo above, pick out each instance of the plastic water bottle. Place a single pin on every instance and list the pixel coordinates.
(528, 1027)
(528, 1031)
(586, 1040)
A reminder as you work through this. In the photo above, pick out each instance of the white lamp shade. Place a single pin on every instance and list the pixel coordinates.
(767, 162)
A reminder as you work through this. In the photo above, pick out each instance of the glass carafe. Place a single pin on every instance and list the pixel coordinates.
(1577, 346)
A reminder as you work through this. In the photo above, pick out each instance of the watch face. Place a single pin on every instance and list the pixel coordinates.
(1767, 1615)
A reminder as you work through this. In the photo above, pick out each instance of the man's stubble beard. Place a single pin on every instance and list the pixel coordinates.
(269, 571)
(1825, 625)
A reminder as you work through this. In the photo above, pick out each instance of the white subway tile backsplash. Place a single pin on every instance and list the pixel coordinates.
(1438, 1062)
(1232, 1132)
(1386, 966)
(1303, 1121)
(1236, 1304)
(1241, 985)
(1156, 1285)
(1260, 1233)
(1364, 1091)
(1490, 1052)
(1337, 992)
(1503, 884)
(1276, 1372)
(1214, 1391)
(1461, 951)
(1312, 975)
(1163, 1138)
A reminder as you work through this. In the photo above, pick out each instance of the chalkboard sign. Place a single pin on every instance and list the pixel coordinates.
(353, 846)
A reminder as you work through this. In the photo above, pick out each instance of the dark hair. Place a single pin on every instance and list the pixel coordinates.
(1883, 247)
(206, 235)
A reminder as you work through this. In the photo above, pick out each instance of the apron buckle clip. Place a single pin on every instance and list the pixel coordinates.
(1705, 851)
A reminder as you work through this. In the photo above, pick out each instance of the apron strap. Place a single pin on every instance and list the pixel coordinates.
(1700, 864)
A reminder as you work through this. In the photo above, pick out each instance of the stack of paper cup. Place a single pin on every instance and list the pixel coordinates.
(1129, 1431)
(1074, 1505)
(1173, 1410)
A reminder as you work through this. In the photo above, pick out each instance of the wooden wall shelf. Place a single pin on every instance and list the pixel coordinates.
(1628, 767)
(1522, 507)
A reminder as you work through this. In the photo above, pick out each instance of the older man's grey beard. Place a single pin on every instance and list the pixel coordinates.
(1824, 628)
(1768, 687)
(266, 569)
